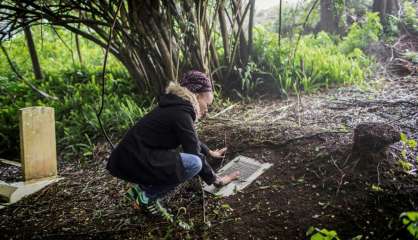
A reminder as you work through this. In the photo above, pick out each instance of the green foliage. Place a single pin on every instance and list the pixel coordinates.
(362, 34)
(410, 16)
(411, 56)
(408, 153)
(376, 188)
(246, 74)
(324, 234)
(391, 28)
(406, 166)
(56, 56)
(321, 234)
(78, 89)
(410, 221)
(79, 101)
(222, 211)
(319, 61)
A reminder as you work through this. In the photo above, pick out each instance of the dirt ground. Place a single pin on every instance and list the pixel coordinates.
(312, 181)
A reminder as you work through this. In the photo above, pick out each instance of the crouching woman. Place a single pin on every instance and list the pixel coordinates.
(148, 154)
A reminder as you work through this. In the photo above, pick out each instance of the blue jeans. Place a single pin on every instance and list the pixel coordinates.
(192, 166)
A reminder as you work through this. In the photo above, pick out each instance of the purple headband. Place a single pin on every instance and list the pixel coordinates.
(196, 82)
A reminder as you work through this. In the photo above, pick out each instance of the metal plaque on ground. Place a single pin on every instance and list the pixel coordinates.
(249, 169)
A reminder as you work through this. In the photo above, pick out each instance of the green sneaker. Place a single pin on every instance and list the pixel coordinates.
(153, 207)
(137, 196)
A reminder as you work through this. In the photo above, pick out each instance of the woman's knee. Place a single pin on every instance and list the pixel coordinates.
(196, 163)
(192, 163)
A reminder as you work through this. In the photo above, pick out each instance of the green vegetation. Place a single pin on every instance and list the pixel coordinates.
(410, 221)
(321, 234)
(325, 234)
(78, 92)
(410, 16)
(320, 61)
(408, 153)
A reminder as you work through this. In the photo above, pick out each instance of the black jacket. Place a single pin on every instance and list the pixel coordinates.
(148, 153)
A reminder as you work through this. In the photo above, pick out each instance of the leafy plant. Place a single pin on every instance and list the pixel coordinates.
(391, 27)
(411, 56)
(406, 166)
(321, 234)
(376, 188)
(410, 15)
(408, 153)
(362, 34)
(248, 83)
(318, 63)
(410, 221)
(324, 234)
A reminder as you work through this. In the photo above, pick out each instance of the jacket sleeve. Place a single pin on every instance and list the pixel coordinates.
(190, 143)
(204, 149)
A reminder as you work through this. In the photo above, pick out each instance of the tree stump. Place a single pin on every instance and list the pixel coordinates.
(370, 142)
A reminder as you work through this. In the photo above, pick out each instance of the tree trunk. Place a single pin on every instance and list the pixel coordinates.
(380, 7)
(328, 21)
(33, 54)
(250, 29)
(243, 45)
(392, 7)
(77, 45)
(385, 7)
(224, 34)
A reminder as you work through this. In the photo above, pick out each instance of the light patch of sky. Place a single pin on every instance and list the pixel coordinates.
(266, 4)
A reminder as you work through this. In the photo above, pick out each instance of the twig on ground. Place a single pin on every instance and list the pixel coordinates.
(259, 188)
(378, 173)
(404, 117)
(341, 173)
(223, 111)
(282, 115)
(203, 201)
(223, 159)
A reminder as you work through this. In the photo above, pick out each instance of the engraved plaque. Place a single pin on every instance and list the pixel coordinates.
(250, 170)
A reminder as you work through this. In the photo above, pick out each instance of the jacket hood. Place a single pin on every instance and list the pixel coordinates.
(177, 95)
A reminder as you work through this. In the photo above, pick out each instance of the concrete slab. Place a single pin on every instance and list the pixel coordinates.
(13, 163)
(13, 192)
(250, 170)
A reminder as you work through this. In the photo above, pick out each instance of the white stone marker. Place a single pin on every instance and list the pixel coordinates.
(38, 154)
(37, 142)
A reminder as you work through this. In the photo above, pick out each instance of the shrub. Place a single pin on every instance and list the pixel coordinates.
(78, 91)
(411, 15)
(318, 62)
(362, 34)
(75, 110)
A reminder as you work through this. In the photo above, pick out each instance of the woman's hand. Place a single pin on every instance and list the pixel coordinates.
(224, 180)
(218, 153)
